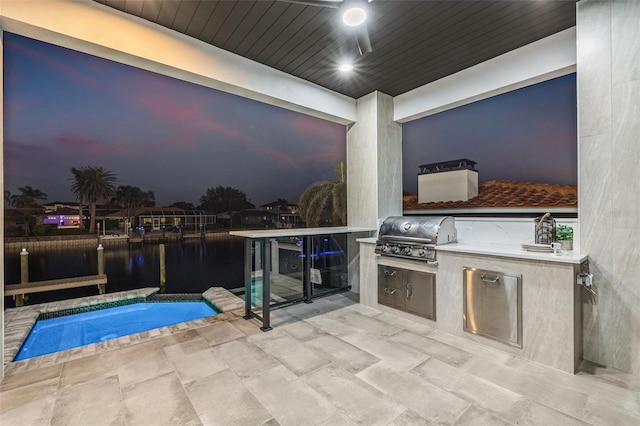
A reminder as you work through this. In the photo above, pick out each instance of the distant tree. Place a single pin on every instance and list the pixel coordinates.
(221, 199)
(330, 195)
(93, 185)
(27, 198)
(183, 205)
(7, 197)
(129, 197)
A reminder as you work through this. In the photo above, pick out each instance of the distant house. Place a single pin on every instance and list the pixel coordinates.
(54, 206)
(287, 213)
(157, 218)
(63, 218)
(257, 218)
(282, 205)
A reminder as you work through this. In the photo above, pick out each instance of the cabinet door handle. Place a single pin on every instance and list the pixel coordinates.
(389, 273)
(487, 280)
(409, 291)
(388, 290)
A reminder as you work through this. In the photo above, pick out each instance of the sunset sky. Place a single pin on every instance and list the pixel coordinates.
(67, 109)
(526, 135)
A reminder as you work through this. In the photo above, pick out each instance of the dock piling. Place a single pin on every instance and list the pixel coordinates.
(24, 275)
(100, 249)
(163, 270)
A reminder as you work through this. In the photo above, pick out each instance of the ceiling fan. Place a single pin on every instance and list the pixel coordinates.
(354, 14)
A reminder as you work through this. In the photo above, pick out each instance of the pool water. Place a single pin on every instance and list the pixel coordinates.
(57, 334)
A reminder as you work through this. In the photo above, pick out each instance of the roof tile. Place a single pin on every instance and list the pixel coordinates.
(502, 193)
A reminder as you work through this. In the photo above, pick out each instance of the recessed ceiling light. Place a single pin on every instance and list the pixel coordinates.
(354, 16)
(345, 67)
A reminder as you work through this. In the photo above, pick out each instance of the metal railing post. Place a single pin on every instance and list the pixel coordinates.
(307, 249)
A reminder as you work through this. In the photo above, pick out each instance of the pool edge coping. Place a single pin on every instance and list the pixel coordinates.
(19, 321)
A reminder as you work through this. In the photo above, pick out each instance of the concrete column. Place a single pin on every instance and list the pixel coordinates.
(374, 162)
(374, 171)
(608, 128)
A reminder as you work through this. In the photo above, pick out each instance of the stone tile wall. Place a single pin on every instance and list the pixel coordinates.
(608, 39)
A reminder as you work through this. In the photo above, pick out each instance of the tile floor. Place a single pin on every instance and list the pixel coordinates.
(333, 362)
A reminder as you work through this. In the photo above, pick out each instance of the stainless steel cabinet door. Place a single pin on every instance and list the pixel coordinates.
(420, 294)
(493, 305)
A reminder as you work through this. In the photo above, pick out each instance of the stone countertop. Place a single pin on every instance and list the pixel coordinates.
(503, 250)
(513, 251)
(296, 232)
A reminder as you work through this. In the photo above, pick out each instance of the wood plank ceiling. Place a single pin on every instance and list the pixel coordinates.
(414, 42)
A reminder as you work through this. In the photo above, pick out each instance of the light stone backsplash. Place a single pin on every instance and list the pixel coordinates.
(608, 43)
(509, 231)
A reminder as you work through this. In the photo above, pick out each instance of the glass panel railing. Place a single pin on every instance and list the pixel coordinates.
(287, 269)
(257, 273)
(328, 269)
(281, 270)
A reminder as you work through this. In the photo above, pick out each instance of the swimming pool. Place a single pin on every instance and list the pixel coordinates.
(57, 334)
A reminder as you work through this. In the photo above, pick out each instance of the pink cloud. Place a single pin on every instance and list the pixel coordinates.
(305, 125)
(87, 145)
(186, 114)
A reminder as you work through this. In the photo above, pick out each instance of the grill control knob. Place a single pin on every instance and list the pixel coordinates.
(407, 251)
(385, 248)
(422, 252)
(395, 249)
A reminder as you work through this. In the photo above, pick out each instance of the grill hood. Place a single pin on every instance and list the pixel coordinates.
(422, 229)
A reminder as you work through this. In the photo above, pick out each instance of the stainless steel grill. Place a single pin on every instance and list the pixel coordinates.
(415, 237)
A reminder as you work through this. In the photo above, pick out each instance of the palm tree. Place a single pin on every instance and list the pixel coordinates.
(93, 185)
(27, 201)
(7, 197)
(27, 198)
(326, 194)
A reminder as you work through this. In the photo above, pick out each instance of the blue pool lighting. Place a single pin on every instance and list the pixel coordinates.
(57, 334)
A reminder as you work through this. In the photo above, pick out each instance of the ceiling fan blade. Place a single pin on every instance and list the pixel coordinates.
(333, 4)
(363, 40)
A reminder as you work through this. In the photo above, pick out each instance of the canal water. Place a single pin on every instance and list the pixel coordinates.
(192, 266)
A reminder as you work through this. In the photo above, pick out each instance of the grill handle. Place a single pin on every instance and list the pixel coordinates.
(401, 238)
(388, 290)
(386, 272)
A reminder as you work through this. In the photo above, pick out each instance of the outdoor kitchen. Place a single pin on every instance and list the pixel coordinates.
(502, 281)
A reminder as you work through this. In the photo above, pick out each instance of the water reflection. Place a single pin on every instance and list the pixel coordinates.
(192, 266)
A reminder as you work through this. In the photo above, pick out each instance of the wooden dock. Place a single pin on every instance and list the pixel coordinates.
(48, 285)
